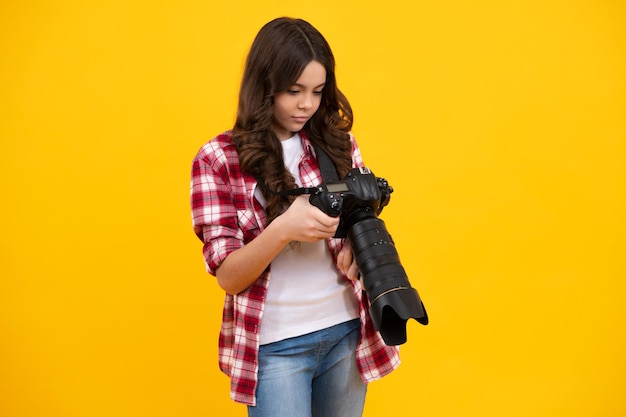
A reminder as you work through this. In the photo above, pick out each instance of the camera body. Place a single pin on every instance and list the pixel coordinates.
(361, 194)
(358, 200)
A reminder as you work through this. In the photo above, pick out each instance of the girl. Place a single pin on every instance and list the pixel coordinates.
(296, 338)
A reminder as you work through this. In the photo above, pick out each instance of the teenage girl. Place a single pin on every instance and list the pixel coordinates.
(296, 338)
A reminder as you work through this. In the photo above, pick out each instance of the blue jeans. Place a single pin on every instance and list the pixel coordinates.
(311, 375)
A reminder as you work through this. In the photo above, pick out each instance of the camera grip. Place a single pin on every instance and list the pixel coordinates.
(330, 203)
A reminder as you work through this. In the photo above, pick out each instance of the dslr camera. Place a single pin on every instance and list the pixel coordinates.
(358, 200)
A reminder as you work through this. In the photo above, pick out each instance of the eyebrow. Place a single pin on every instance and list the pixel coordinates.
(304, 86)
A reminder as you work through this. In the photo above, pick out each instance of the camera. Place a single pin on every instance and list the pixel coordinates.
(358, 200)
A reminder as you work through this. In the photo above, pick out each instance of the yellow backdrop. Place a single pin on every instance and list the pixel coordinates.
(500, 124)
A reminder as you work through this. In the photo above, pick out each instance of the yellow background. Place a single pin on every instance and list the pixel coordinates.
(500, 124)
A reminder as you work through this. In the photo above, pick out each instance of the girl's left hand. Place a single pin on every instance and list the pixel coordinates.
(346, 261)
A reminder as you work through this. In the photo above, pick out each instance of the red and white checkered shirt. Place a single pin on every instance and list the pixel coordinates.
(226, 216)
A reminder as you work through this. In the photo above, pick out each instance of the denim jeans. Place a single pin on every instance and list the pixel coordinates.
(311, 375)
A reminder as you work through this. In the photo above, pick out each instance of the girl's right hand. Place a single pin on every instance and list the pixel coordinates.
(304, 222)
(301, 222)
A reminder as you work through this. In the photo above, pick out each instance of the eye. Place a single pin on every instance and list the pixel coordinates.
(293, 92)
(318, 93)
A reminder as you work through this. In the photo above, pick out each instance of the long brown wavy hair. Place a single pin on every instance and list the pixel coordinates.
(277, 57)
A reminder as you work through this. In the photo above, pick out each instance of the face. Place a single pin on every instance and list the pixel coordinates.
(295, 106)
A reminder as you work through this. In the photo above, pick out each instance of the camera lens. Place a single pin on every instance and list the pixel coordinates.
(392, 299)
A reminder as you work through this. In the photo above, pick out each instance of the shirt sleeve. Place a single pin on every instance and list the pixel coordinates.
(357, 160)
(214, 214)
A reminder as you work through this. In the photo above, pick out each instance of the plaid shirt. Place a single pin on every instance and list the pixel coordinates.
(226, 216)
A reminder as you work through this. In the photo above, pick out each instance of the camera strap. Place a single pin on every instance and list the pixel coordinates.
(327, 167)
(293, 191)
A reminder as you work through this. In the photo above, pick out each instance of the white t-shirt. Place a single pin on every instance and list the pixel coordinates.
(306, 293)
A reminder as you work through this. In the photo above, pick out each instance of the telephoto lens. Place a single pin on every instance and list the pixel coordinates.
(392, 299)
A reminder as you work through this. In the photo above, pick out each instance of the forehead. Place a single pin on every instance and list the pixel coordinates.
(313, 75)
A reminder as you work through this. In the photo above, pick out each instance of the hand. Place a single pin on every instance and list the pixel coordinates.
(304, 222)
(346, 261)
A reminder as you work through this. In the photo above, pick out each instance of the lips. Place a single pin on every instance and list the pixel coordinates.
(300, 119)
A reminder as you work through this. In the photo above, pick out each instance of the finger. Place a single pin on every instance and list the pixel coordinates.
(342, 263)
(353, 271)
(326, 231)
(327, 221)
(345, 261)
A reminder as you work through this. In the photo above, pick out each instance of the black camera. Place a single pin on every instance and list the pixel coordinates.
(359, 199)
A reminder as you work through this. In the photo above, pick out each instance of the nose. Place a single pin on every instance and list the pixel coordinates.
(306, 102)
